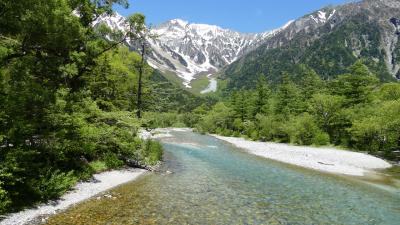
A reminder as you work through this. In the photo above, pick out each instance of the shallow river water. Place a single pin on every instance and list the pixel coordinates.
(211, 182)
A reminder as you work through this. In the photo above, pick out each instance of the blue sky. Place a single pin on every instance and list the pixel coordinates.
(240, 15)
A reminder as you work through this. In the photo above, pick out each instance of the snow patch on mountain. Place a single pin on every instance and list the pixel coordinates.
(322, 17)
(115, 21)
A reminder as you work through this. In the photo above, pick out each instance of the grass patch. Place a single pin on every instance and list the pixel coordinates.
(173, 78)
(199, 84)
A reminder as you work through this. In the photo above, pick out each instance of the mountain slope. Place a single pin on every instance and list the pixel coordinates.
(189, 50)
(328, 41)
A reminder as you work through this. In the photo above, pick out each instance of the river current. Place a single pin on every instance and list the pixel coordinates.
(207, 181)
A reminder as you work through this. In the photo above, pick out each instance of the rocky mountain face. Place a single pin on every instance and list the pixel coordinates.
(328, 41)
(192, 49)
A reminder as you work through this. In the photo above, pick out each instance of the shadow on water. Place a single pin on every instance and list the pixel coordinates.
(213, 183)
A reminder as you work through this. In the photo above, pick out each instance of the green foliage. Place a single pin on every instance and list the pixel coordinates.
(98, 166)
(166, 96)
(262, 95)
(327, 111)
(288, 97)
(321, 138)
(113, 82)
(356, 86)
(112, 161)
(270, 128)
(152, 152)
(156, 120)
(328, 50)
(53, 183)
(379, 130)
(240, 105)
(389, 91)
(353, 110)
(5, 200)
(67, 98)
(302, 129)
(219, 120)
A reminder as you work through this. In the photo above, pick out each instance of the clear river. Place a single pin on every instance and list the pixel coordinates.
(207, 181)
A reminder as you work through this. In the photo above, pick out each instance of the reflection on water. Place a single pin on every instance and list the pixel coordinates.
(212, 183)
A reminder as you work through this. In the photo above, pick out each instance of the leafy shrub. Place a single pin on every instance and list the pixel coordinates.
(254, 135)
(5, 201)
(379, 130)
(302, 129)
(112, 161)
(157, 120)
(98, 166)
(271, 128)
(178, 124)
(53, 184)
(218, 120)
(152, 152)
(229, 133)
(389, 91)
(238, 125)
(321, 138)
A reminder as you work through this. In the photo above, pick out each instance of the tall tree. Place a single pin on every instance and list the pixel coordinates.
(310, 82)
(240, 104)
(288, 97)
(262, 95)
(141, 36)
(356, 86)
(327, 111)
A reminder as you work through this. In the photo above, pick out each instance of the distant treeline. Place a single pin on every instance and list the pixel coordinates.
(354, 111)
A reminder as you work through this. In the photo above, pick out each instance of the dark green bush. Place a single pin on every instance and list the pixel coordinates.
(53, 183)
(5, 201)
(302, 129)
(152, 152)
(112, 161)
(321, 138)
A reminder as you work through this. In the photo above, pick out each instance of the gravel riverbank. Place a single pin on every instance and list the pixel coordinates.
(82, 191)
(323, 159)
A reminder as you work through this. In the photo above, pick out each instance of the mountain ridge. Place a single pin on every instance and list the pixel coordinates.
(363, 30)
(189, 49)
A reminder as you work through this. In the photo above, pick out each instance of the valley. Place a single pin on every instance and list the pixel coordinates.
(189, 50)
(276, 115)
(206, 181)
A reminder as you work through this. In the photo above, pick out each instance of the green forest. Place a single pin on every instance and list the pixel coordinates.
(329, 54)
(354, 111)
(69, 103)
(68, 98)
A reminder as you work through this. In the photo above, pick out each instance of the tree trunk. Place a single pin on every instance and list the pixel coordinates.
(139, 93)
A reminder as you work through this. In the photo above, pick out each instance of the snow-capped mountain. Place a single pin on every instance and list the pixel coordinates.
(367, 29)
(190, 49)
